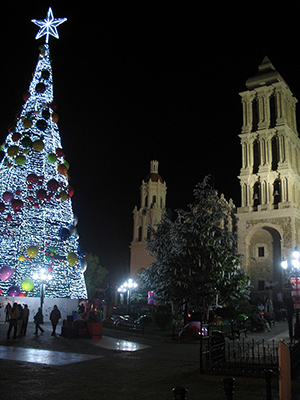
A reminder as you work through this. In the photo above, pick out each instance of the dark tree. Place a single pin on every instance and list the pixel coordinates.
(94, 275)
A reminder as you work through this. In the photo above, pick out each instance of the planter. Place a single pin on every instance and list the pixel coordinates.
(95, 330)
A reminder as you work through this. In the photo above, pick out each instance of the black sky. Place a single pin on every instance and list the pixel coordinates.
(145, 80)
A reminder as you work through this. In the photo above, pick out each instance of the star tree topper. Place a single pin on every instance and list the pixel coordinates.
(48, 25)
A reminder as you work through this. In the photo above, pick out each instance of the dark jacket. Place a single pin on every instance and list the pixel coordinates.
(38, 318)
(55, 315)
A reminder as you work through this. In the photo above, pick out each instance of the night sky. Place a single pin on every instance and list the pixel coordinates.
(136, 81)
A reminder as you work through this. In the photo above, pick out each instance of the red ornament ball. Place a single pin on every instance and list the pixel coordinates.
(7, 196)
(41, 194)
(52, 185)
(17, 204)
(32, 178)
(16, 136)
(59, 152)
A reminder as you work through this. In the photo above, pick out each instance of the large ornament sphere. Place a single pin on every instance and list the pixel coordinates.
(51, 157)
(64, 234)
(32, 178)
(12, 151)
(52, 185)
(32, 251)
(20, 160)
(63, 195)
(27, 285)
(7, 196)
(13, 291)
(38, 145)
(16, 136)
(62, 169)
(17, 204)
(72, 258)
(26, 142)
(6, 273)
(41, 124)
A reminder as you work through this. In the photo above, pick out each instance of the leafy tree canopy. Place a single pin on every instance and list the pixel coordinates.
(195, 254)
(94, 275)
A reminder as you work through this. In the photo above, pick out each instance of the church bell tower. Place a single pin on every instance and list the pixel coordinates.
(269, 216)
(153, 201)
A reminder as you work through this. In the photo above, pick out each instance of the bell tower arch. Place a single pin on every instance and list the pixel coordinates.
(269, 215)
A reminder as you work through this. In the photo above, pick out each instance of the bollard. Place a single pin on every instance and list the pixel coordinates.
(228, 388)
(268, 378)
(179, 393)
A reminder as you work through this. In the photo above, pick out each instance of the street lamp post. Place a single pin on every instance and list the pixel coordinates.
(127, 288)
(292, 271)
(43, 278)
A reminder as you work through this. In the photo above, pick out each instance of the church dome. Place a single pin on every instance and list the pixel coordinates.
(154, 177)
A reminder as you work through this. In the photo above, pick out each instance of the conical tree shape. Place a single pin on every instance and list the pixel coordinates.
(38, 238)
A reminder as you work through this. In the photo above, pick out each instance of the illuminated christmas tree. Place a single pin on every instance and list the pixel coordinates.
(38, 239)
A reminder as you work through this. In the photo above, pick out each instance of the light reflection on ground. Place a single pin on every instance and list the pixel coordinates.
(42, 356)
(117, 344)
(61, 358)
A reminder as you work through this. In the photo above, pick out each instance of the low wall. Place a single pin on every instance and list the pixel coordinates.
(66, 306)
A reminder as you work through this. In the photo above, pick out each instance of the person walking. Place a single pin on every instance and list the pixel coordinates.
(25, 319)
(13, 322)
(55, 316)
(39, 319)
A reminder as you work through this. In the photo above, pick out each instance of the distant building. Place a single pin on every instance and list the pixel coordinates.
(269, 216)
(153, 201)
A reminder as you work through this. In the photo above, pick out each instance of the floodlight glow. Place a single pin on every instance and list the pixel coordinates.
(284, 264)
(48, 26)
(296, 263)
(296, 254)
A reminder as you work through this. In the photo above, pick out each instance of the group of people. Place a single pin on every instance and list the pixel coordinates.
(18, 317)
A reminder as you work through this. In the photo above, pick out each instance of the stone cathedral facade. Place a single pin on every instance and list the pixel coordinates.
(153, 201)
(269, 215)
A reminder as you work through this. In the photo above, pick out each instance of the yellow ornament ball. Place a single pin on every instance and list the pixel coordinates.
(38, 145)
(21, 258)
(62, 169)
(32, 251)
(27, 285)
(72, 258)
(13, 151)
(63, 195)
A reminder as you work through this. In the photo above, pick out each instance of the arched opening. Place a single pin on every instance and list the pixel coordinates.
(264, 255)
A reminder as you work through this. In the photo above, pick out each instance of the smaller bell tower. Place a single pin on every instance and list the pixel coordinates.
(153, 201)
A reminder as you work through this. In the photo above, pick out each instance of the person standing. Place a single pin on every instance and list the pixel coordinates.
(55, 316)
(39, 319)
(7, 312)
(25, 319)
(13, 322)
(20, 319)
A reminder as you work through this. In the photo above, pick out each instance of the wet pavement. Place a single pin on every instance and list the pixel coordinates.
(120, 364)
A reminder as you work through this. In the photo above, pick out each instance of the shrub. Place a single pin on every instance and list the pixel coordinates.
(162, 320)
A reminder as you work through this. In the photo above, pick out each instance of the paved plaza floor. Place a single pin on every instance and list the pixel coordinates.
(121, 365)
